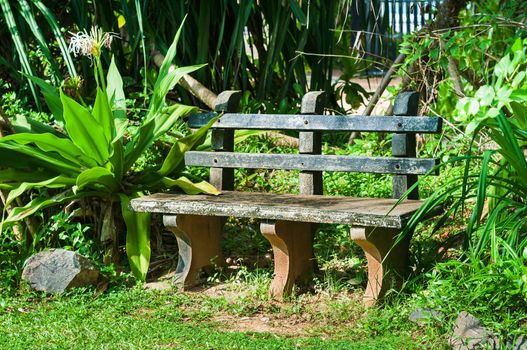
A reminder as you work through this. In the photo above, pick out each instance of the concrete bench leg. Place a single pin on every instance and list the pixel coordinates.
(198, 239)
(386, 264)
(292, 244)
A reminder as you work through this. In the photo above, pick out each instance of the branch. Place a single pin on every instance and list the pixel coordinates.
(378, 92)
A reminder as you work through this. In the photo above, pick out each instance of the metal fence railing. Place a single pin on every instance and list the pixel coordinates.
(379, 25)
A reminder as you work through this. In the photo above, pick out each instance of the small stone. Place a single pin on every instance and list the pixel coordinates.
(517, 343)
(55, 270)
(420, 316)
(469, 334)
(465, 323)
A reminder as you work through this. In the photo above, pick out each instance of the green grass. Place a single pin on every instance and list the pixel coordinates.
(139, 319)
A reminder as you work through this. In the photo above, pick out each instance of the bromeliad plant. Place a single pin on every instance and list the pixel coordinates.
(94, 153)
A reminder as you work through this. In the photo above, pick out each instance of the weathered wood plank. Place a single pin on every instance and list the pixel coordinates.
(378, 165)
(272, 206)
(320, 122)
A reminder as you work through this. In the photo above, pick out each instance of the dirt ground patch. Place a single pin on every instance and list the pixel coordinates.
(302, 316)
(263, 323)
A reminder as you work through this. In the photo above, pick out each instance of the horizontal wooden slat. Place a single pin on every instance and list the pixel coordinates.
(380, 165)
(320, 122)
(319, 209)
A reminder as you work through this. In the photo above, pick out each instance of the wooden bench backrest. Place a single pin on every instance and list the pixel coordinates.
(311, 123)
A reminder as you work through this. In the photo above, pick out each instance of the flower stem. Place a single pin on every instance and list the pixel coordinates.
(101, 73)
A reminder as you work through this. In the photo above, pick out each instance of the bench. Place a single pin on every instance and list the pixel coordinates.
(289, 221)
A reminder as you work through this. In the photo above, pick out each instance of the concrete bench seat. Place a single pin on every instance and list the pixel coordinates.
(289, 207)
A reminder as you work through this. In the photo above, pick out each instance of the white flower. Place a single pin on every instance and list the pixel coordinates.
(90, 44)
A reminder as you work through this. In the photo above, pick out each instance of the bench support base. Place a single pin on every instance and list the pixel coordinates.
(292, 244)
(386, 264)
(198, 239)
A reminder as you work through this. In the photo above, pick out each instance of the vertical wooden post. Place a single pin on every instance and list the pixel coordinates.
(292, 241)
(403, 144)
(223, 140)
(310, 142)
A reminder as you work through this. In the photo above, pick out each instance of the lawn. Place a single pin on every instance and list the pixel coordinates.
(220, 317)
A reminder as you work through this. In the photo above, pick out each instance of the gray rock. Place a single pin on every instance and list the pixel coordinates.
(55, 270)
(517, 343)
(470, 335)
(420, 316)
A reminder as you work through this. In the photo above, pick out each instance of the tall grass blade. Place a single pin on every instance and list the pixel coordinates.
(19, 45)
(50, 18)
(142, 36)
(35, 29)
(481, 194)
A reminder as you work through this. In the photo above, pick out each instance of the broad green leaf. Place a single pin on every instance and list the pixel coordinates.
(117, 160)
(174, 162)
(147, 133)
(168, 119)
(55, 107)
(51, 96)
(56, 182)
(520, 114)
(95, 178)
(51, 143)
(473, 107)
(164, 84)
(23, 157)
(84, 130)
(120, 128)
(503, 94)
(44, 85)
(518, 79)
(517, 46)
(18, 176)
(40, 203)
(519, 95)
(171, 53)
(23, 124)
(137, 238)
(503, 67)
(189, 187)
(485, 94)
(115, 91)
(102, 113)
